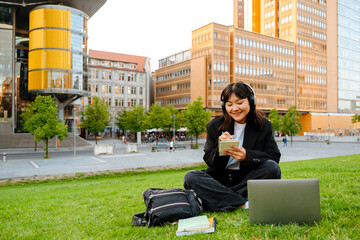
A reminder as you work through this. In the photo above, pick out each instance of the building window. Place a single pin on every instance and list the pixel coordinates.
(131, 102)
(131, 90)
(121, 76)
(131, 77)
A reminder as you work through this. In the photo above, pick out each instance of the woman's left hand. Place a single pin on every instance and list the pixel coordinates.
(238, 153)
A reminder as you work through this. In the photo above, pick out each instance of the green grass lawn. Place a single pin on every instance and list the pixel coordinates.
(101, 207)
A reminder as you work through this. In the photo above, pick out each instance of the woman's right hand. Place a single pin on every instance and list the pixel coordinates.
(226, 135)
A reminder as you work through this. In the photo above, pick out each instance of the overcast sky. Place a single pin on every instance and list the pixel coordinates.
(153, 28)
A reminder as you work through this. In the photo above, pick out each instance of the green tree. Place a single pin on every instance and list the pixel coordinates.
(95, 117)
(172, 112)
(158, 117)
(196, 118)
(121, 119)
(40, 118)
(132, 119)
(274, 118)
(355, 118)
(290, 122)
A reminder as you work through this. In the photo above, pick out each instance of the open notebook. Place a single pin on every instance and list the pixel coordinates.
(199, 224)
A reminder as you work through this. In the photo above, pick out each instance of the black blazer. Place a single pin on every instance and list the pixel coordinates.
(260, 145)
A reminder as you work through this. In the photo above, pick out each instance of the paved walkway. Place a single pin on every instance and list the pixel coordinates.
(25, 163)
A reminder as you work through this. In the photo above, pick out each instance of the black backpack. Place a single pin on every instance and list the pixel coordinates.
(167, 205)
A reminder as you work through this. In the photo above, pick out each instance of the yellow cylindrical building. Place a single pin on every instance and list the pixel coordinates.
(57, 50)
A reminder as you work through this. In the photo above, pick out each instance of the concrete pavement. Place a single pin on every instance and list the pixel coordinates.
(25, 163)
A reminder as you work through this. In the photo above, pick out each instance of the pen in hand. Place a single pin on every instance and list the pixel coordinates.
(226, 135)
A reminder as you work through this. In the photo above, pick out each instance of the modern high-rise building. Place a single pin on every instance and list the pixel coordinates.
(343, 53)
(120, 80)
(304, 23)
(223, 54)
(287, 50)
(43, 50)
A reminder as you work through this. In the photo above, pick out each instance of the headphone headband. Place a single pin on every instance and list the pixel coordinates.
(251, 89)
(251, 98)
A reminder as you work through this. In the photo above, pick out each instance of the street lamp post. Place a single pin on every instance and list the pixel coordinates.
(174, 128)
(329, 128)
(74, 131)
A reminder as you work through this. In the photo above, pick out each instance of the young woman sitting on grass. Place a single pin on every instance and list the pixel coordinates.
(223, 185)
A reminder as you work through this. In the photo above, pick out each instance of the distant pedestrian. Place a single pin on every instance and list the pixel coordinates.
(285, 141)
(172, 149)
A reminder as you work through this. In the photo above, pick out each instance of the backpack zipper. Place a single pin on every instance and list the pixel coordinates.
(165, 194)
(168, 205)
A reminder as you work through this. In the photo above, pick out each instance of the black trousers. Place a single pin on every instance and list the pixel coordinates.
(226, 190)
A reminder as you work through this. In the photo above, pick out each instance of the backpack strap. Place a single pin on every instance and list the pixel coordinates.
(139, 219)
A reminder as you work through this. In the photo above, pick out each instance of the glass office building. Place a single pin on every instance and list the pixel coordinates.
(292, 52)
(57, 50)
(43, 50)
(6, 64)
(348, 56)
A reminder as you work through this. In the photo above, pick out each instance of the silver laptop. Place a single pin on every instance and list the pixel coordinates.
(284, 201)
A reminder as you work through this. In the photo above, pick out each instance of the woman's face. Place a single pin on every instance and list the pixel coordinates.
(237, 108)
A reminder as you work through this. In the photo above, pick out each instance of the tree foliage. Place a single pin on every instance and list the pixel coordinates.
(196, 118)
(355, 118)
(133, 119)
(40, 118)
(158, 117)
(171, 113)
(274, 118)
(95, 116)
(121, 119)
(290, 122)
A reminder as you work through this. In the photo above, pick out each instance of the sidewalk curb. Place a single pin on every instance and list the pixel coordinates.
(80, 175)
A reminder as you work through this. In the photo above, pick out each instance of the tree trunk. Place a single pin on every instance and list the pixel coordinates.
(46, 148)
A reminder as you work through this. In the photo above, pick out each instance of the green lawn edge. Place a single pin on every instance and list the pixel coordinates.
(101, 206)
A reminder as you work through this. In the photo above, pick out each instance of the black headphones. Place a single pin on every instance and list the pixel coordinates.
(251, 97)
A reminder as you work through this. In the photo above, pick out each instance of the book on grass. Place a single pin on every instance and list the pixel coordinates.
(225, 144)
(199, 224)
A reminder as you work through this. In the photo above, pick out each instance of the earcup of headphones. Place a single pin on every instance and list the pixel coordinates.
(252, 100)
(223, 106)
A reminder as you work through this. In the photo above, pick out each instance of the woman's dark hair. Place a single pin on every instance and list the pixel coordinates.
(241, 90)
